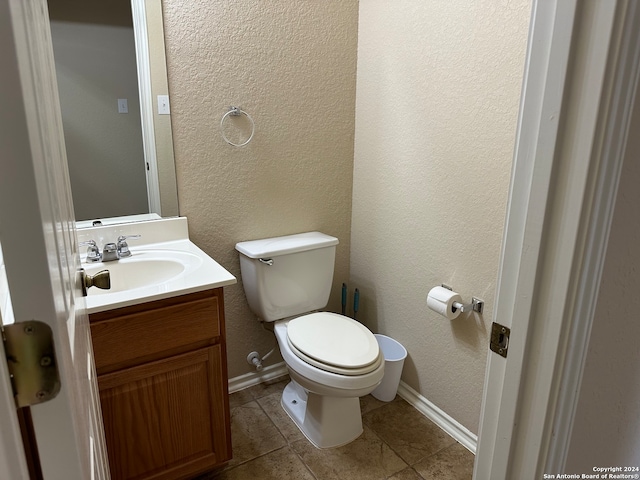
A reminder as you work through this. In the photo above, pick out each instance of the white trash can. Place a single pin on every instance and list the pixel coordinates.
(394, 355)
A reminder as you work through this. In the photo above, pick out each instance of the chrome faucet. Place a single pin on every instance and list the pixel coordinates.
(93, 252)
(111, 251)
(122, 248)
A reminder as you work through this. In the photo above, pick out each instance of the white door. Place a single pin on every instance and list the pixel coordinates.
(582, 73)
(37, 236)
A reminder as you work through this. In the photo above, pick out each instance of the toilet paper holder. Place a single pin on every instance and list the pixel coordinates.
(476, 304)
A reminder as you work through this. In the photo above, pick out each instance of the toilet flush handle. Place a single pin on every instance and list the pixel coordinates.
(266, 261)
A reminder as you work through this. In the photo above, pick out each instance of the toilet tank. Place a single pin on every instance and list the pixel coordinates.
(287, 276)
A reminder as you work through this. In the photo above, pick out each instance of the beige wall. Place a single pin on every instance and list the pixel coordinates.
(292, 67)
(437, 101)
(435, 118)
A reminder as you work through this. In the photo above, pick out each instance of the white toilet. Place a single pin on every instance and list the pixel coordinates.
(332, 359)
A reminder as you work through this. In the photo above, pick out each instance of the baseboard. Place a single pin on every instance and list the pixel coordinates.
(255, 378)
(438, 416)
(434, 413)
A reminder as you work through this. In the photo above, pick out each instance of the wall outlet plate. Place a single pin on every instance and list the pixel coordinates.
(163, 105)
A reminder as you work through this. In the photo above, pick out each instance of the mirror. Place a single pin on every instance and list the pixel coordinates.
(111, 68)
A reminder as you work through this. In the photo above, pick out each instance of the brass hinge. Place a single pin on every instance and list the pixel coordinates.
(500, 339)
(32, 362)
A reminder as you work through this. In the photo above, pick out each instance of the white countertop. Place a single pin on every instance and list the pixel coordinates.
(157, 235)
(203, 272)
(205, 275)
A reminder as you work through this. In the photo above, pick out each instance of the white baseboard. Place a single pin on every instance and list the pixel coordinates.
(255, 378)
(434, 413)
(438, 416)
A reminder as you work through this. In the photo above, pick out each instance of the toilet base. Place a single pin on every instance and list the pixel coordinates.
(326, 421)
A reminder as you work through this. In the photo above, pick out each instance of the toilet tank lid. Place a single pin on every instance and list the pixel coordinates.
(273, 247)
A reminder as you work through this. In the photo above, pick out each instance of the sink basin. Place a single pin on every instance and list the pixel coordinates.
(165, 268)
(147, 268)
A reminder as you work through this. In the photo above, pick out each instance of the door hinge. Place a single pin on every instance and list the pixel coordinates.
(500, 339)
(31, 361)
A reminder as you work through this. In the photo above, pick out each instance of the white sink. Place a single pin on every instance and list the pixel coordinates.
(164, 263)
(146, 268)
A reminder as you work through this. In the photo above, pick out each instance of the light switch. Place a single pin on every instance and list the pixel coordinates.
(163, 105)
(123, 105)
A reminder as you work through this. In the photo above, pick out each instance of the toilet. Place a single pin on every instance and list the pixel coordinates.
(332, 359)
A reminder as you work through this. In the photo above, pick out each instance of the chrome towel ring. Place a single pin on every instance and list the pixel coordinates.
(234, 112)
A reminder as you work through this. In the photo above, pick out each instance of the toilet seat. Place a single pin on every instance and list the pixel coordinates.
(334, 343)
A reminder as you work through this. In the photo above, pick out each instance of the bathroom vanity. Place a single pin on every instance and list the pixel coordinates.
(162, 379)
(160, 359)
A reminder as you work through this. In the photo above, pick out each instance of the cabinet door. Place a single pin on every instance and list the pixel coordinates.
(166, 419)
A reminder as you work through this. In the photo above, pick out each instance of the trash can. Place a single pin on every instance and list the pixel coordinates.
(394, 355)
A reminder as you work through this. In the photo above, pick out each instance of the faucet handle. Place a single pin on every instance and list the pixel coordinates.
(93, 252)
(123, 247)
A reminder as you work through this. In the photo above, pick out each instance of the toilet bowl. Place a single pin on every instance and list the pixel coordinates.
(325, 405)
(332, 359)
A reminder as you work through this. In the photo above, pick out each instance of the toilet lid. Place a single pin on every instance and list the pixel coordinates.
(335, 343)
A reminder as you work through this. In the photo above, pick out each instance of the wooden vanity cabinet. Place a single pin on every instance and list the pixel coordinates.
(162, 376)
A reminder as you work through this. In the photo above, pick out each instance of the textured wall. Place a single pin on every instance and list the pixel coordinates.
(291, 65)
(605, 430)
(436, 110)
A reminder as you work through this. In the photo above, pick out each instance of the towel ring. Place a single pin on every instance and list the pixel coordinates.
(234, 112)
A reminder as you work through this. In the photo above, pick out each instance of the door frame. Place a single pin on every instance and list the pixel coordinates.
(143, 64)
(13, 462)
(580, 82)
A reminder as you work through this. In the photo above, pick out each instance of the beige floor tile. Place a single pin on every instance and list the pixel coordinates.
(267, 388)
(252, 433)
(258, 391)
(452, 463)
(369, 402)
(240, 398)
(366, 458)
(398, 443)
(406, 474)
(282, 464)
(271, 405)
(409, 433)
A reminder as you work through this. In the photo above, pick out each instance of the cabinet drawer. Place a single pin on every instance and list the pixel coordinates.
(131, 338)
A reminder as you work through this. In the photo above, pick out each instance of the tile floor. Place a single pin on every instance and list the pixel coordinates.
(398, 443)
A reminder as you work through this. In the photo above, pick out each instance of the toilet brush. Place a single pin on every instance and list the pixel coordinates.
(344, 298)
(356, 303)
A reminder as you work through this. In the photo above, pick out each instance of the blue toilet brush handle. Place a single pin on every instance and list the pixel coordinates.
(344, 298)
(356, 303)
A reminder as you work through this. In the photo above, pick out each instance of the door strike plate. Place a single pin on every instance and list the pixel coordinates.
(499, 339)
(31, 361)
